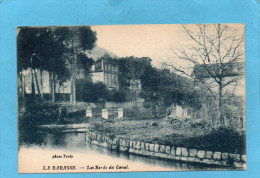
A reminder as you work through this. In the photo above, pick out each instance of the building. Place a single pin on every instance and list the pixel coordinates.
(105, 70)
(233, 91)
(234, 72)
(40, 81)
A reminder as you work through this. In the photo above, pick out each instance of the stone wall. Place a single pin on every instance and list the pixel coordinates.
(168, 152)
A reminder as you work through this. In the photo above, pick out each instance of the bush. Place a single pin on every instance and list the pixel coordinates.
(220, 139)
(88, 91)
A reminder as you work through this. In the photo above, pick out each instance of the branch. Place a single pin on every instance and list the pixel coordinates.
(204, 84)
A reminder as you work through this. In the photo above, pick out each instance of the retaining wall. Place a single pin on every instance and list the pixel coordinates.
(167, 152)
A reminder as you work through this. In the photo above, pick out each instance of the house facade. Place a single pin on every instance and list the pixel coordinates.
(106, 71)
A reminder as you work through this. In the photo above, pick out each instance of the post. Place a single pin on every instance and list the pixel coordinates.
(120, 113)
(89, 113)
(104, 113)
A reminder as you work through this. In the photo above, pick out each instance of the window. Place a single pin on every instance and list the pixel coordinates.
(109, 79)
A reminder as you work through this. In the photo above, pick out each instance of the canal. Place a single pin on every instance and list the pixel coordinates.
(43, 150)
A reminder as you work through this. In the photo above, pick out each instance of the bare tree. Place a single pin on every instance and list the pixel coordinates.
(211, 52)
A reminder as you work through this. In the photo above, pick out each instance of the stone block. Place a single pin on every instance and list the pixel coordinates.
(138, 145)
(142, 146)
(162, 148)
(105, 144)
(224, 156)
(172, 151)
(184, 152)
(209, 154)
(131, 150)
(193, 152)
(114, 147)
(156, 154)
(121, 142)
(121, 148)
(201, 154)
(132, 144)
(146, 146)
(151, 153)
(217, 155)
(151, 147)
(235, 157)
(184, 158)
(178, 151)
(138, 152)
(168, 149)
(156, 148)
(172, 157)
(115, 141)
(243, 158)
(146, 153)
(238, 164)
(127, 143)
(207, 161)
(95, 142)
(193, 159)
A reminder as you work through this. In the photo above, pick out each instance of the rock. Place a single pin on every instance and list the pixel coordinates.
(146, 146)
(243, 158)
(127, 143)
(209, 154)
(132, 144)
(217, 155)
(184, 152)
(238, 164)
(138, 145)
(162, 148)
(156, 148)
(193, 152)
(235, 157)
(115, 141)
(168, 149)
(151, 147)
(224, 156)
(142, 146)
(172, 151)
(201, 154)
(178, 151)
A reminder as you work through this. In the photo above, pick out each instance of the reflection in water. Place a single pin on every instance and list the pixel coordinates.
(76, 142)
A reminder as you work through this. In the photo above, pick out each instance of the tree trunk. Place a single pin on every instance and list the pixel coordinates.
(52, 87)
(220, 105)
(32, 85)
(37, 84)
(41, 84)
(73, 80)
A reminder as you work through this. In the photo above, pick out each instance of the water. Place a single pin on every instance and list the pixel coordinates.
(40, 149)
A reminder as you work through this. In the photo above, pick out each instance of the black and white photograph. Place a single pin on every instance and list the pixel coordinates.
(131, 98)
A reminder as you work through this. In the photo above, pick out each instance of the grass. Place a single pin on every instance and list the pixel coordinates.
(179, 133)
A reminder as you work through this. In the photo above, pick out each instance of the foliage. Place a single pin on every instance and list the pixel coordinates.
(97, 92)
(38, 48)
(132, 68)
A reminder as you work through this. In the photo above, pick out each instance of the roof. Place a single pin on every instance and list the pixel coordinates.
(230, 69)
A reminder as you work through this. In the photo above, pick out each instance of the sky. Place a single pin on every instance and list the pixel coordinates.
(154, 41)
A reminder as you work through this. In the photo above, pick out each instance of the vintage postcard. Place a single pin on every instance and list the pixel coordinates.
(126, 98)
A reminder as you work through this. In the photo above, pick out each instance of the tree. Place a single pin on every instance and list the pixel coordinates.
(211, 50)
(38, 48)
(131, 69)
(77, 41)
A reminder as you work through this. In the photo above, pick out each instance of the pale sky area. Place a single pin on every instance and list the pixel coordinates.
(154, 41)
